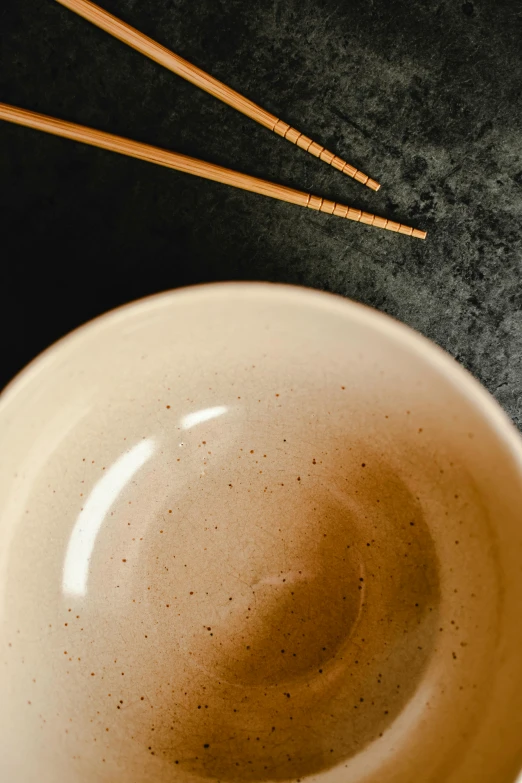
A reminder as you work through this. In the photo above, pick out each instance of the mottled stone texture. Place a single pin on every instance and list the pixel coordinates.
(425, 96)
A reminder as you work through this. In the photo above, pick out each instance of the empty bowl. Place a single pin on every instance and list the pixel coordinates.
(257, 533)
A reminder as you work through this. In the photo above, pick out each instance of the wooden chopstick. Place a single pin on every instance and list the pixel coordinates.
(174, 160)
(186, 70)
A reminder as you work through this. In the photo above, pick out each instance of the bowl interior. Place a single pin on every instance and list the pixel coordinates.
(256, 533)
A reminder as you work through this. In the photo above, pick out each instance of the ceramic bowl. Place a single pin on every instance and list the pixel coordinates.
(253, 532)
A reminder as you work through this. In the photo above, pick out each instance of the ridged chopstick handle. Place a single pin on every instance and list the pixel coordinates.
(293, 135)
(333, 208)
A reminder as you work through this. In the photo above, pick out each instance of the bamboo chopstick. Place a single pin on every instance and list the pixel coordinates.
(200, 168)
(191, 73)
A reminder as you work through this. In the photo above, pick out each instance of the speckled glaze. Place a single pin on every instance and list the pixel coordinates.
(253, 533)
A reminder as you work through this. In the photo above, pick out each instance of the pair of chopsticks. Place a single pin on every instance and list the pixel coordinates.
(161, 157)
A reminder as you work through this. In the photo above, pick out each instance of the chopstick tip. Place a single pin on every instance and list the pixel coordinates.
(419, 234)
(371, 183)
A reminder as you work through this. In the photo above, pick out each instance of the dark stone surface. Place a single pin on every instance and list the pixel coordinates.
(425, 96)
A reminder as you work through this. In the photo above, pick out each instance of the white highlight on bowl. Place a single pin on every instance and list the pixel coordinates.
(198, 417)
(90, 519)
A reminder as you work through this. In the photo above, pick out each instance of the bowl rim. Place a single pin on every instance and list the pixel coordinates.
(362, 314)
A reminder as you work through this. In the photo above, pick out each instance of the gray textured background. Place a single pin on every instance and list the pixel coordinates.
(425, 96)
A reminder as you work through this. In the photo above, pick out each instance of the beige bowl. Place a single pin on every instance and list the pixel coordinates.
(251, 533)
